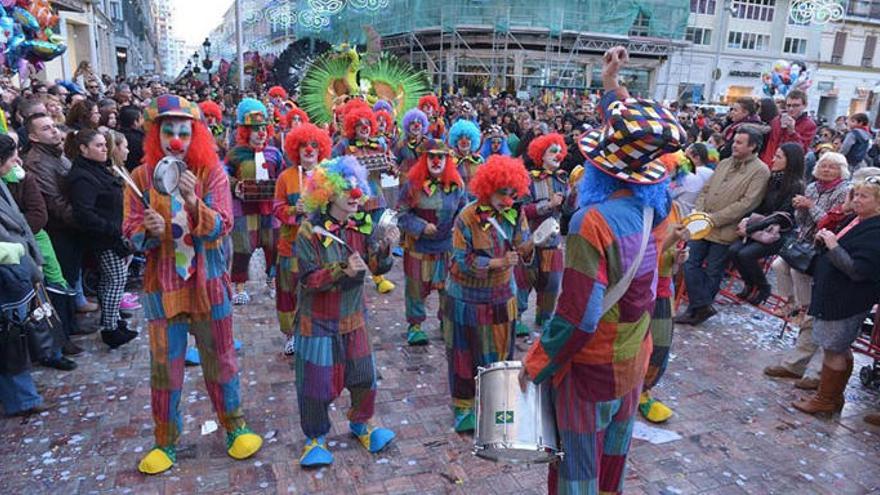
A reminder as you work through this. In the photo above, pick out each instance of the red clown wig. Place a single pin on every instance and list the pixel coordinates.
(539, 146)
(277, 92)
(419, 173)
(303, 134)
(211, 109)
(431, 101)
(243, 134)
(387, 118)
(499, 172)
(201, 152)
(296, 111)
(352, 104)
(355, 115)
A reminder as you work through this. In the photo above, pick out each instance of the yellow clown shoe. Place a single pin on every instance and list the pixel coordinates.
(383, 285)
(242, 443)
(158, 460)
(652, 409)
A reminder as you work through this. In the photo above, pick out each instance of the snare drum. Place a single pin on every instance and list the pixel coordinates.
(513, 426)
(698, 224)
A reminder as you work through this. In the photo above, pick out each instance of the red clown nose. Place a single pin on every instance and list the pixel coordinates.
(507, 202)
(176, 145)
(356, 193)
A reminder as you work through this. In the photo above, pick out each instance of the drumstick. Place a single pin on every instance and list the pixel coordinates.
(301, 185)
(130, 182)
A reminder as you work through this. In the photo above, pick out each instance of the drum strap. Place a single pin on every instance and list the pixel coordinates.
(616, 291)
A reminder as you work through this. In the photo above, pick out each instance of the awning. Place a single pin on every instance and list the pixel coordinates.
(74, 5)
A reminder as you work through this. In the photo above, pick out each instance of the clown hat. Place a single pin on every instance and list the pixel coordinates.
(169, 105)
(251, 112)
(635, 134)
(433, 147)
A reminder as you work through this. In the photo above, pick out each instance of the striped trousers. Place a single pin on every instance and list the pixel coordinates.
(476, 335)
(324, 366)
(424, 273)
(285, 293)
(595, 437)
(544, 275)
(250, 232)
(661, 334)
(168, 340)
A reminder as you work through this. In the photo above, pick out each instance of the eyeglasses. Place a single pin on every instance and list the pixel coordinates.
(874, 180)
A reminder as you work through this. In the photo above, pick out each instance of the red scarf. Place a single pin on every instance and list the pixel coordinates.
(823, 186)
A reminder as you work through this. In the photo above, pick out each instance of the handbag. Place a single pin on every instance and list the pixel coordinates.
(799, 254)
(768, 230)
(13, 347)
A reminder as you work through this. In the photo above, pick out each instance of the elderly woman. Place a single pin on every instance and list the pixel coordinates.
(847, 277)
(829, 190)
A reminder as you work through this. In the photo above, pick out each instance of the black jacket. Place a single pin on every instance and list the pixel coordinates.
(135, 138)
(776, 198)
(96, 197)
(838, 295)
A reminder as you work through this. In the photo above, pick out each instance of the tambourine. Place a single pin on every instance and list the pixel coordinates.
(699, 224)
(545, 232)
(166, 175)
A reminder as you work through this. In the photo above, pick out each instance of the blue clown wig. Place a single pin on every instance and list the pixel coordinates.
(464, 128)
(413, 115)
(383, 105)
(596, 186)
(486, 150)
(249, 106)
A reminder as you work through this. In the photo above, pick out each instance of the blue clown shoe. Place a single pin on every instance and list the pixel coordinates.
(397, 251)
(236, 344)
(315, 453)
(464, 420)
(373, 439)
(522, 329)
(192, 357)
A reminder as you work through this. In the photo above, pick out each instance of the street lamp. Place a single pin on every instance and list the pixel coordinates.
(207, 63)
(195, 59)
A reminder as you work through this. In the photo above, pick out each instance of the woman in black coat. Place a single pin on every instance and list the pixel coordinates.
(96, 198)
(846, 285)
(786, 181)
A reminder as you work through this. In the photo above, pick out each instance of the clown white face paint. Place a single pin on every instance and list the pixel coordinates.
(428, 109)
(436, 164)
(363, 130)
(308, 154)
(382, 125)
(258, 137)
(502, 199)
(175, 136)
(346, 203)
(295, 121)
(415, 128)
(464, 145)
(551, 157)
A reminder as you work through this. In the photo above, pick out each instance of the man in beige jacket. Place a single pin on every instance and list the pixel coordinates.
(735, 189)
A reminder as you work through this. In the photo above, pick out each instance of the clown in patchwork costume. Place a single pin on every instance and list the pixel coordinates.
(415, 124)
(429, 201)
(489, 239)
(359, 142)
(332, 343)
(548, 195)
(495, 143)
(305, 147)
(251, 164)
(214, 119)
(186, 285)
(594, 351)
(464, 139)
(430, 105)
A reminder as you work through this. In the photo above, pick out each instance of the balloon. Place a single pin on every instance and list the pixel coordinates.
(23, 67)
(42, 50)
(26, 20)
(7, 3)
(780, 66)
(7, 27)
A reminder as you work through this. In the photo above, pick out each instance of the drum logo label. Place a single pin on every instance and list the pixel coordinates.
(503, 417)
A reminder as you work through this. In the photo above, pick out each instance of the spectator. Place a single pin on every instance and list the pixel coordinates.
(131, 125)
(734, 190)
(858, 139)
(83, 115)
(786, 181)
(873, 157)
(767, 110)
(742, 112)
(26, 108)
(108, 119)
(795, 125)
(847, 281)
(93, 90)
(824, 136)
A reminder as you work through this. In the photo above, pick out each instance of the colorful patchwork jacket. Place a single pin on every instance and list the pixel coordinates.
(241, 166)
(430, 203)
(536, 206)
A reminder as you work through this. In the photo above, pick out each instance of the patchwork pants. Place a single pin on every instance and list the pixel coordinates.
(595, 437)
(544, 275)
(286, 280)
(424, 273)
(168, 339)
(250, 232)
(325, 364)
(476, 334)
(661, 334)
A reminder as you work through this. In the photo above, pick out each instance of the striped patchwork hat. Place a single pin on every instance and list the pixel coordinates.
(433, 147)
(169, 105)
(635, 134)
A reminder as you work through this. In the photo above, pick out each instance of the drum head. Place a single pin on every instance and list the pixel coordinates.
(166, 175)
(698, 224)
(545, 232)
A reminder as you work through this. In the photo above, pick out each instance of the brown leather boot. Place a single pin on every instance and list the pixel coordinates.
(829, 398)
(872, 419)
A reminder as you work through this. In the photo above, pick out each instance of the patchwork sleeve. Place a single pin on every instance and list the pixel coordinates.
(211, 218)
(133, 216)
(283, 210)
(315, 275)
(463, 253)
(408, 221)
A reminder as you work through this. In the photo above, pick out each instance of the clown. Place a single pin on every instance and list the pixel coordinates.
(332, 344)
(277, 99)
(495, 143)
(385, 128)
(214, 119)
(293, 119)
(186, 285)
(430, 105)
(594, 351)
(305, 147)
(360, 128)
(415, 124)
(547, 197)
(464, 138)
(489, 239)
(249, 162)
(428, 204)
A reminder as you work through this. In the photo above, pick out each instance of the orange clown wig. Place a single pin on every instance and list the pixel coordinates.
(278, 92)
(539, 146)
(295, 112)
(211, 109)
(499, 172)
(431, 101)
(305, 135)
(386, 117)
(357, 114)
(419, 173)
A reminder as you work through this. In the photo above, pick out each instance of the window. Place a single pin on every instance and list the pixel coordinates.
(756, 10)
(698, 36)
(703, 7)
(748, 41)
(641, 25)
(839, 46)
(115, 11)
(868, 54)
(796, 20)
(796, 46)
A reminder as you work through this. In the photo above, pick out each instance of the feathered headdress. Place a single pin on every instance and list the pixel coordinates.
(306, 133)
(331, 178)
(499, 172)
(464, 128)
(539, 146)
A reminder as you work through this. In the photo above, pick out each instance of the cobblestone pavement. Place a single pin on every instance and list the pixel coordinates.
(739, 434)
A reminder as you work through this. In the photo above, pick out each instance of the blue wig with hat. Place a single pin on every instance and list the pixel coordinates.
(251, 112)
(464, 128)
